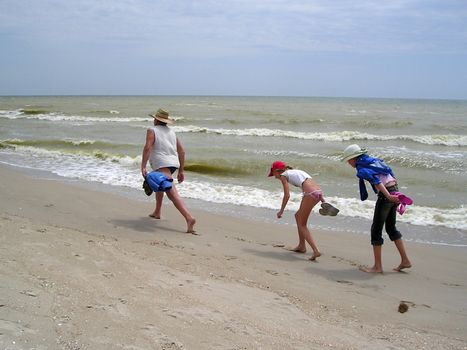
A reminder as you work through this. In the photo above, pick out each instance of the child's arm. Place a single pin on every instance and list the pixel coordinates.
(380, 187)
(286, 197)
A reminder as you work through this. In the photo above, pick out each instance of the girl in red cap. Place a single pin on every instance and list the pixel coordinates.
(312, 195)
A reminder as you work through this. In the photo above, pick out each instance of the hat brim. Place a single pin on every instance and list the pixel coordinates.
(353, 155)
(163, 120)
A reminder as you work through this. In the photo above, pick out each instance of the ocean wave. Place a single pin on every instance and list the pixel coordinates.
(65, 148)
(448, 162)
(376, 123)
(451, 162)
(111, 111)
(106, 151)
(56, 116)
(63, 144)
(33, 111)
(124, 171)
(218, 169)
(296, 154)
(351, 207)
(341, 136)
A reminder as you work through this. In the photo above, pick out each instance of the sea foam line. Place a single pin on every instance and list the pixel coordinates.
(247, 196)
(126, 173)
(54, 116)
(446, 140)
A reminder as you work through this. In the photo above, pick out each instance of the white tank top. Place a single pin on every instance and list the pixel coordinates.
(295, 176)
(164, 150)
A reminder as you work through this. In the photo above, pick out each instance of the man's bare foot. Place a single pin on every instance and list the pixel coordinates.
(314, 256)
(370, 269)
(190, 226)
(403, 265)
(296, 249)
(154, 216)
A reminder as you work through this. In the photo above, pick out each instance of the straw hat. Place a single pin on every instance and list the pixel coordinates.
(162, 115)
(352, 151)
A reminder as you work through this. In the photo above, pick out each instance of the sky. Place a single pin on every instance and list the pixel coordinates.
(335, 48)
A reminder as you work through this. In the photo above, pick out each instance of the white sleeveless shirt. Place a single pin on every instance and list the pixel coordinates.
(295, 177)
(164, 150)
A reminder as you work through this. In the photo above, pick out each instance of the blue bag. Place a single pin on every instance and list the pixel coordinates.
(158, 182)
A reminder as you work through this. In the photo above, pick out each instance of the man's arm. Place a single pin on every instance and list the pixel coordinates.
(150, 138)
(181, 159)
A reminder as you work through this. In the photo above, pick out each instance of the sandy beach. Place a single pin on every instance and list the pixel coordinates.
(83, 269)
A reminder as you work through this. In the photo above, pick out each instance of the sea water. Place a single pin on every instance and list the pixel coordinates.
(230, 143)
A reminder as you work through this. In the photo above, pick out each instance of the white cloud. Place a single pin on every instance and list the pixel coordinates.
(242, 26)
(241, 46)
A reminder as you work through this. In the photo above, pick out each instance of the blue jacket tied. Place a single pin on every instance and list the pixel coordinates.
(367, 169)
(158, 181)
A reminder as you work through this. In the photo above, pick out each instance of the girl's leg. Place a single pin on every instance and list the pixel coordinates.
(301, 247)
(157, 211)
(405, 262)
(301, 217)
(178, 202)
(382, 209)
(396, 237)
(378, 266)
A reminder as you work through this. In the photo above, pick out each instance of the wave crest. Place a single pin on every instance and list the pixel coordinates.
(340, 136)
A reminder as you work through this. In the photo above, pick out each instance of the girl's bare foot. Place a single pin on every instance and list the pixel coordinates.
(314, 256)
(403, 265)
(154, 216)
(370, 269)
(190, 226)
(297, 249)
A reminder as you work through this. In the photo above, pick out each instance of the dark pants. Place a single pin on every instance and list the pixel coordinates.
(385, 214)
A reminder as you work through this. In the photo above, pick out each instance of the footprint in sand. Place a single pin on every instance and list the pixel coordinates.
(412, 304)
(272, 272)
(148, 327)
(168, 344)
(350, 262)
(452, 284)
(344, 282)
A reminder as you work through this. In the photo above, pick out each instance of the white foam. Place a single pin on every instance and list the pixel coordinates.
(125, 172)
(340, 136)
(249, 196)
(54, 116)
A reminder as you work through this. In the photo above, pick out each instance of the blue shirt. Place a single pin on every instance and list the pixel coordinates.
(368, 168)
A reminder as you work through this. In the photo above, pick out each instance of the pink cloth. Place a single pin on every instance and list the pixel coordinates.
(403, 201)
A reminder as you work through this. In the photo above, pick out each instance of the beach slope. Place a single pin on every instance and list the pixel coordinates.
(84, 269)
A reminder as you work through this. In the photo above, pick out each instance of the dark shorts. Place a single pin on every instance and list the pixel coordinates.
(172, 169)
(384, 215)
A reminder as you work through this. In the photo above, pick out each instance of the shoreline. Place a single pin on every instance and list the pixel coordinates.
(429, 235)
(89, 269)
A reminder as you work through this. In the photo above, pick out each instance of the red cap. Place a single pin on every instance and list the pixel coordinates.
(276, 166)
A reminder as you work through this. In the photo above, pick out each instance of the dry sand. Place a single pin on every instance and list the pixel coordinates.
(81, 269)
